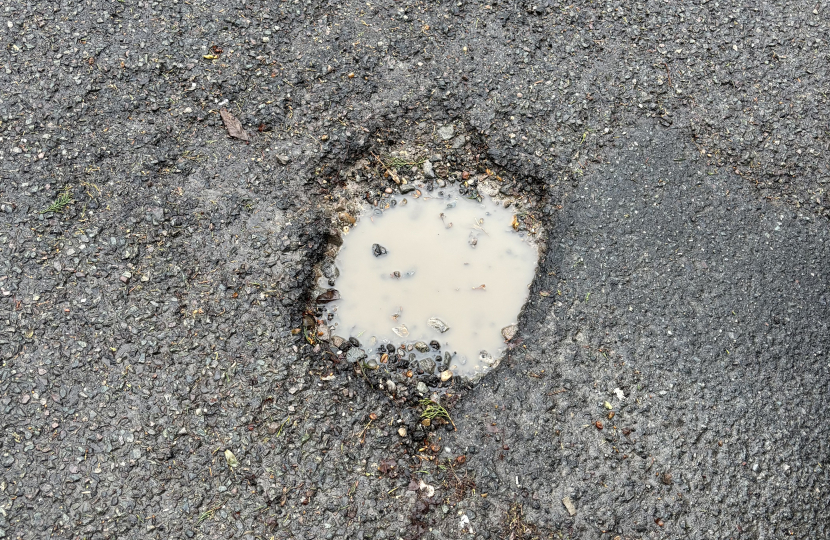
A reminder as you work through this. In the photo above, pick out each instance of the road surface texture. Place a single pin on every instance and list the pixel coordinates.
(154, 271)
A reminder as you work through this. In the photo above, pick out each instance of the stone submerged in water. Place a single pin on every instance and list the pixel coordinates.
(406, 188)
(446, 375)
(378, 250)
(438, 324)
(420, 346)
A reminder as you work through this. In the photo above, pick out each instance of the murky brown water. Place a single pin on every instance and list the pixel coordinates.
(441, 268)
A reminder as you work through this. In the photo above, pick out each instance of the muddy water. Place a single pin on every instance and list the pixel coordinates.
(439, 267)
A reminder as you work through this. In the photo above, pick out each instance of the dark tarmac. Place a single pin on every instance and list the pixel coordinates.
(155, 381)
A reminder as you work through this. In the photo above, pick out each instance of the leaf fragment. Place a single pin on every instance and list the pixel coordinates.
(233, 125)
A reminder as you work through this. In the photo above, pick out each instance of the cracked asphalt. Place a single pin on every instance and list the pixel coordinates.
(670, 373)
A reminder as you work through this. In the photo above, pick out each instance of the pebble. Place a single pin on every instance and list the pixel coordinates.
(509, 332)
(428, 170)
(402, 331)
(438, 324)
(446, 375)
(569, 505)
(422, 388)
(355, 354)
(378, 250)
(446, 132)
(420, 346)
(402, 432)
(406, 188)
(427, 364)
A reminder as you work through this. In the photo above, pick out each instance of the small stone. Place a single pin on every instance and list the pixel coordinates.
(446, 132)
(402, 431)
(273, 427)
(125, 277)
(401, 331)
(422, 389)
(509, 332)
(355, 354)
(428, 171)
(372, 364)
(406, 188)
(486, 358)
(427, 364)
(231, 459)
(378, 250)
(283, 159)
(459, 141)
(323, 332)
(488, 188)
(446, 375)
(569, 506)
(438, 324)
(338, 341)
(24, 398)
(331, 271)
(328, 296)
(390, 386)
(420, 346)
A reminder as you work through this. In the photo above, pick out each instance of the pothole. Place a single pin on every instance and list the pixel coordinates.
(415, 302)
(431, 281)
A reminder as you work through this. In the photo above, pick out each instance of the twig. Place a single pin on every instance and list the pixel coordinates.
(391, 173)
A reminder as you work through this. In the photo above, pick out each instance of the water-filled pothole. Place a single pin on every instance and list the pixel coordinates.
(430, 281)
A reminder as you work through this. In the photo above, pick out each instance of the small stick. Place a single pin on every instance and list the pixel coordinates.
(388, 171)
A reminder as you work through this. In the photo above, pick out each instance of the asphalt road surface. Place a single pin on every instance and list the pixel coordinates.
(670, 375)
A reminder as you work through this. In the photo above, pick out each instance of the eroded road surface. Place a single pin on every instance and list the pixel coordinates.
(176, 175)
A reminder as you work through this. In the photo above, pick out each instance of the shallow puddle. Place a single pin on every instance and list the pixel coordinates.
(437, 277)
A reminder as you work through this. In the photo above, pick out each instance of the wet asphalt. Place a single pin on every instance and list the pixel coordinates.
(155, 381)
